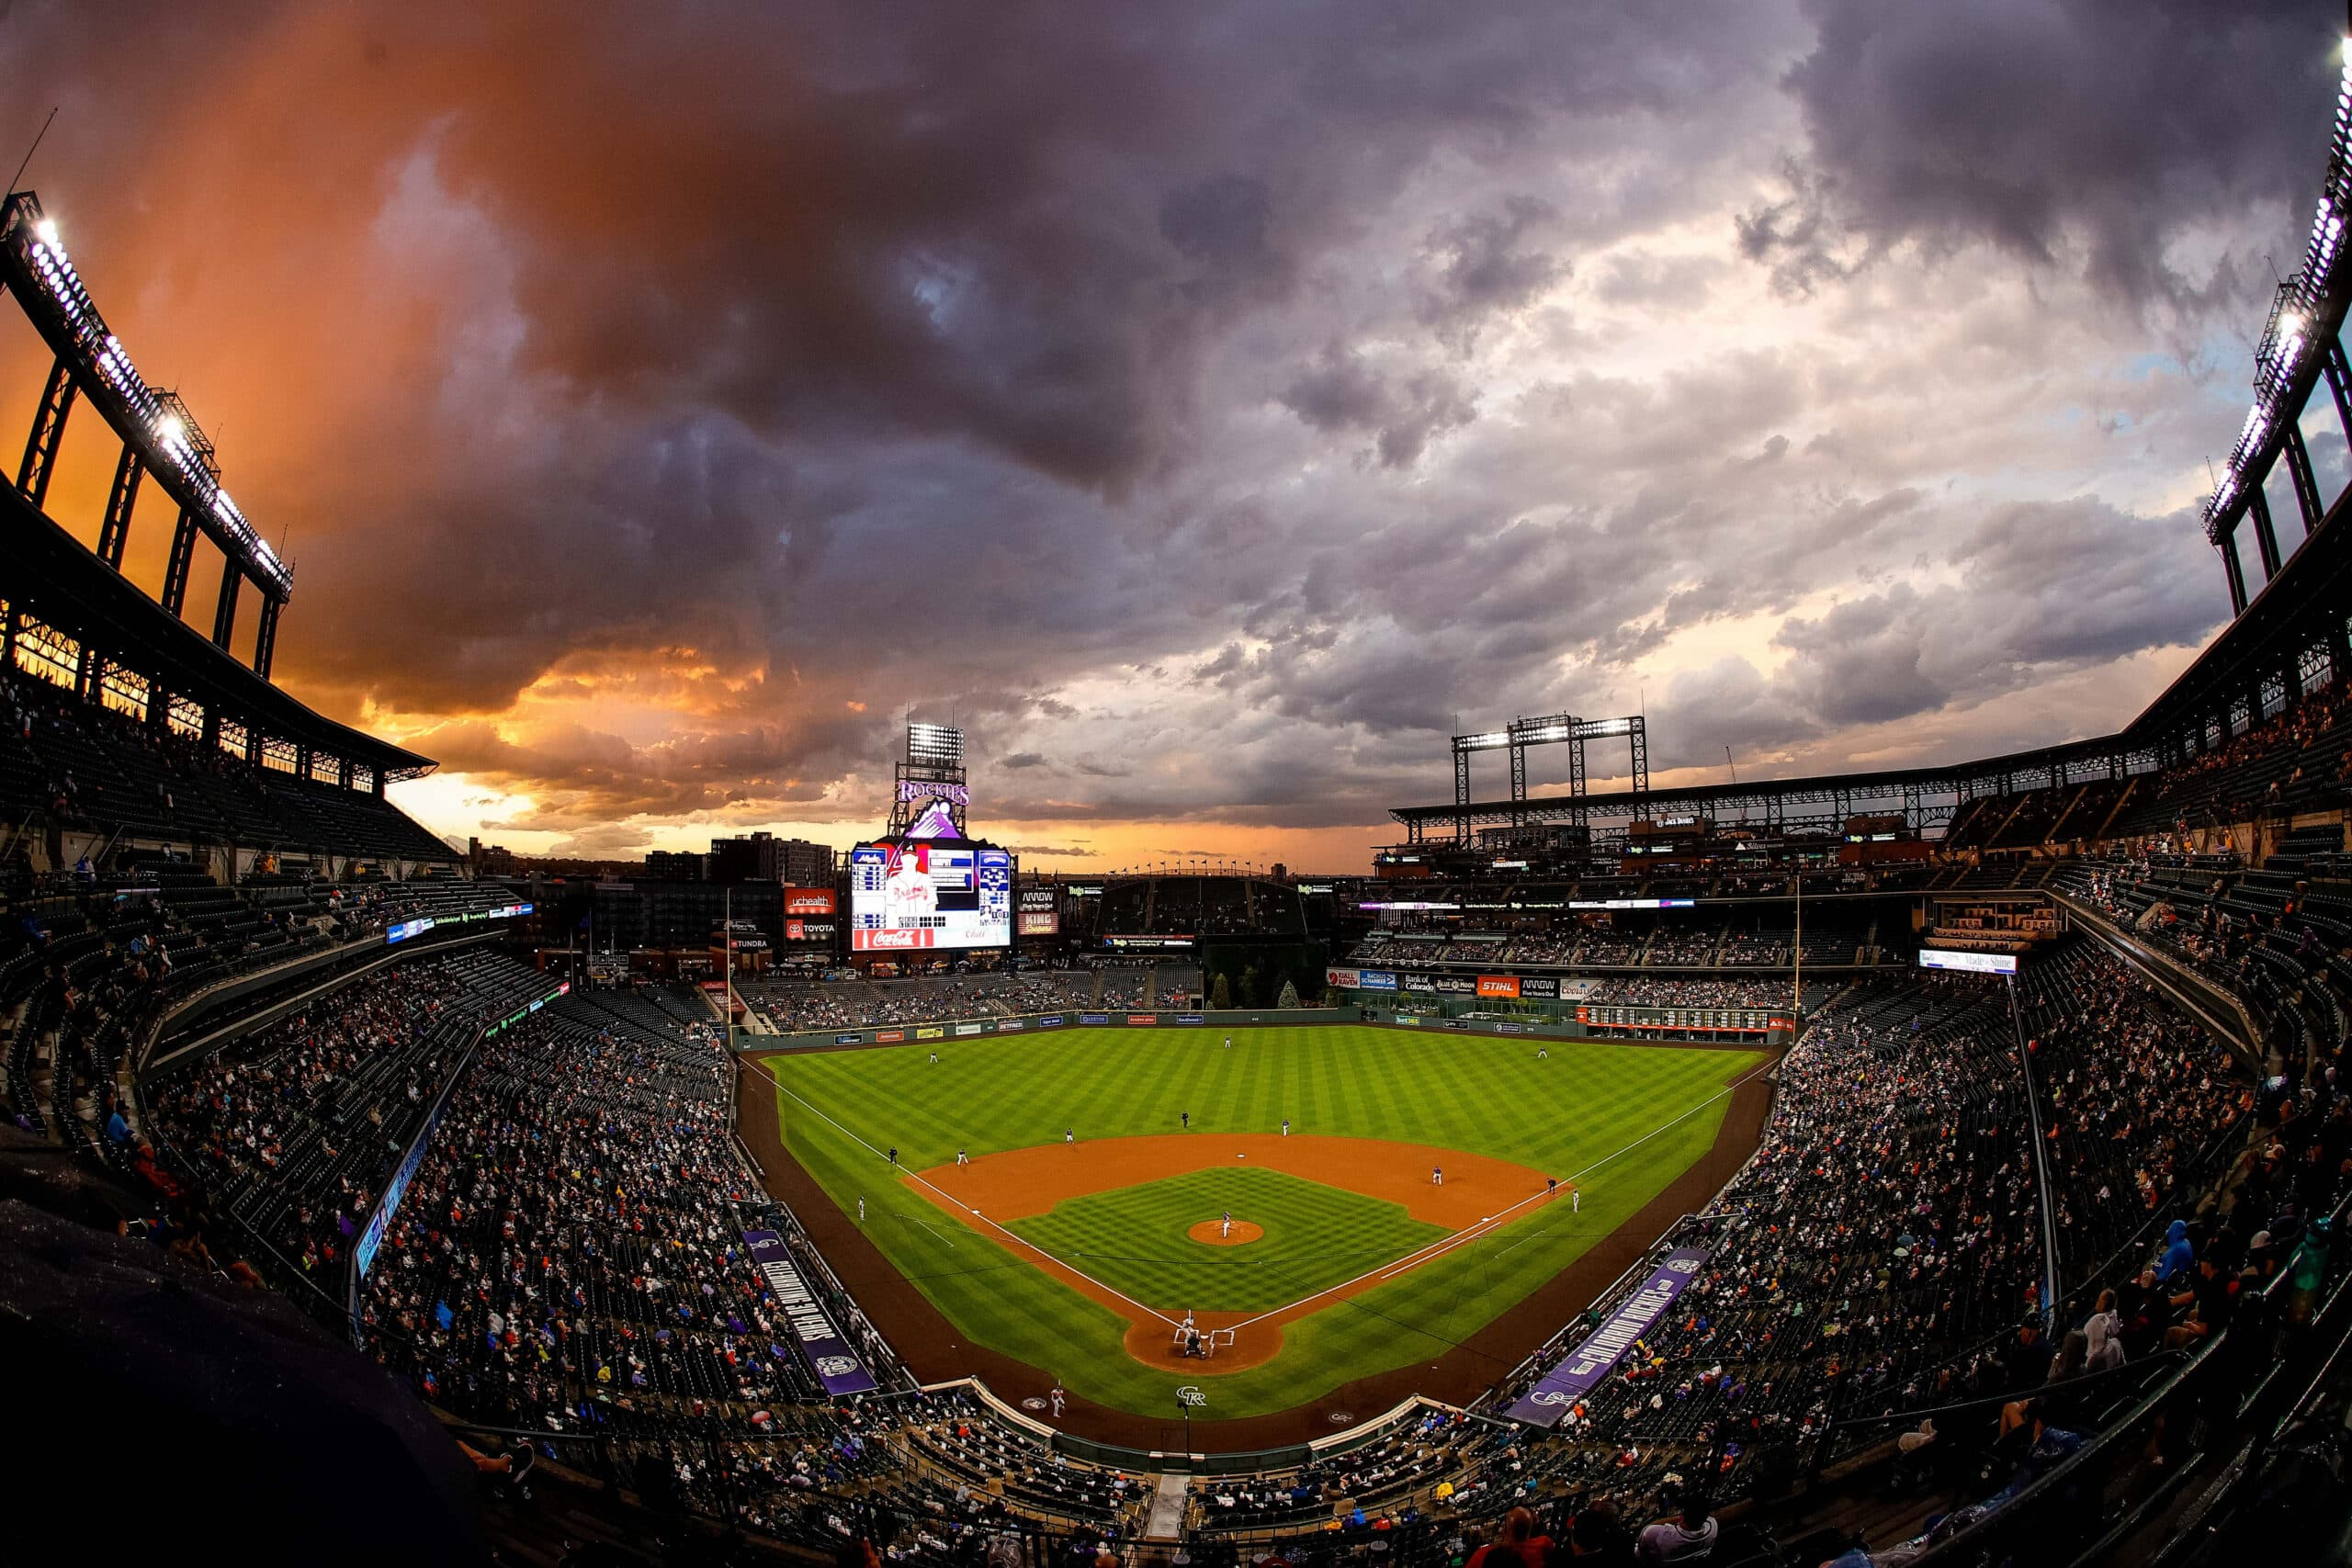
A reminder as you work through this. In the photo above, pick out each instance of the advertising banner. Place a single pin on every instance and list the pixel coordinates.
(1375, 980)
(1498, 985)
(1034, 922)
(1409, 1019)
(809, 901)
(968, 1029)
(829, 1355)
(1455, 985)
(1581, 1370)
(1542, 986)
(889, 1036)
(1417, 982)
(1341, 979)
(849, 1039)
(1095, 1018)
(1051, 1021)
(1190, 1018)
(931, 1033)
(1009, 1025)
(1143, 1018)
(1937, 958)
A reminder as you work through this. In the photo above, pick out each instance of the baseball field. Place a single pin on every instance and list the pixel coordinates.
(1076, 1201)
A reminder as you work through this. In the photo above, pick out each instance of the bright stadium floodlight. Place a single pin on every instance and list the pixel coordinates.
(169, 429)
(934, 741)
(47, 229)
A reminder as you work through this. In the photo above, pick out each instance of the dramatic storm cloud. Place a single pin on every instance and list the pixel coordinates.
(1209, 405)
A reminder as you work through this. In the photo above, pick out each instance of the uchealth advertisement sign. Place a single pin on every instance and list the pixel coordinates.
(1583, 1368)
(830, 1356)
(1498, 985)
(809, 901)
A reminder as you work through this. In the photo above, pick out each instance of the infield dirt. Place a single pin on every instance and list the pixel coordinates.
(1017, 1184)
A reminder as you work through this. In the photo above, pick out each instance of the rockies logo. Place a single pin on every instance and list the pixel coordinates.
(835, 1366)
(1189, 1394)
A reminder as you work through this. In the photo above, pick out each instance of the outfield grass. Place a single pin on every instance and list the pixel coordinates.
(1486, 1094)
(1316, 1236)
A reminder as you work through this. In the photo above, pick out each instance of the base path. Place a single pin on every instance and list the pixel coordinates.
(1017, 1184)
(937, 1351)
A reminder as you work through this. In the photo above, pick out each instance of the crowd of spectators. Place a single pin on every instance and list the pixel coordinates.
(293, 1127)
(1689, 991)
(1884, 1227)
(817, 1005)
(2137, 1101)
(567, 1255)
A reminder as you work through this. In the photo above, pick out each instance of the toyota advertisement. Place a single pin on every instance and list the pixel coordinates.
(923, 893)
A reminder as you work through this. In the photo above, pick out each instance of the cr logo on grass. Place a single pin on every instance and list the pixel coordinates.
(1188, 1394)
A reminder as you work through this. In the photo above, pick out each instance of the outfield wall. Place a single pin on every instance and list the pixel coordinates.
(1030, 1024)
(971, 1028)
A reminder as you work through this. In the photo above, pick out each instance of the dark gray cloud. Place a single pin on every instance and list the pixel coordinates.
(1483, 265)
(1210, 405)
(2106, 132)
(1341, 394)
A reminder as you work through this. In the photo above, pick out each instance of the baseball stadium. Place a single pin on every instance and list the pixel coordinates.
(1483, 785)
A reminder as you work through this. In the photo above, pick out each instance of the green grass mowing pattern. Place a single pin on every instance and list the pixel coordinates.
(1487, 1094)
(1316, 1236)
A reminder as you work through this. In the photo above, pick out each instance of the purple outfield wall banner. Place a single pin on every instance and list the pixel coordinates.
(835, 1364)
(1581, 1371)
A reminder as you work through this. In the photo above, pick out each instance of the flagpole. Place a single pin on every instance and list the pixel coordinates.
(1796, 986)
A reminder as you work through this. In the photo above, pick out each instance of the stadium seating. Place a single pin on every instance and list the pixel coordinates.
(76, 764)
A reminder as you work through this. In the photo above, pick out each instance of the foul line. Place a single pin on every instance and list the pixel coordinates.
(1413, 1261)
(961, 1209)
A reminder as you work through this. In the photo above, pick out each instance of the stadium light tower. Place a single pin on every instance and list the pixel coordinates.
(1552, 729)
(932, 771)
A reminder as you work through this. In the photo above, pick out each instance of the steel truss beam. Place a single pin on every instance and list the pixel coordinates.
(49, 430)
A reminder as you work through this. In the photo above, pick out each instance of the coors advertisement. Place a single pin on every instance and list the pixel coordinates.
(829, 1355)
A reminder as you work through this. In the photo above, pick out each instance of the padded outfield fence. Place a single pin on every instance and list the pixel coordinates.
(1141, 1017)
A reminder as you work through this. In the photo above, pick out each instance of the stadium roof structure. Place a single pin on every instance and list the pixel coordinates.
(2294, 626)
(1925, 796)
(46, 574)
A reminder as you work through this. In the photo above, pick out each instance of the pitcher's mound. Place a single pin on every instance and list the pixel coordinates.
(1243, 1230)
